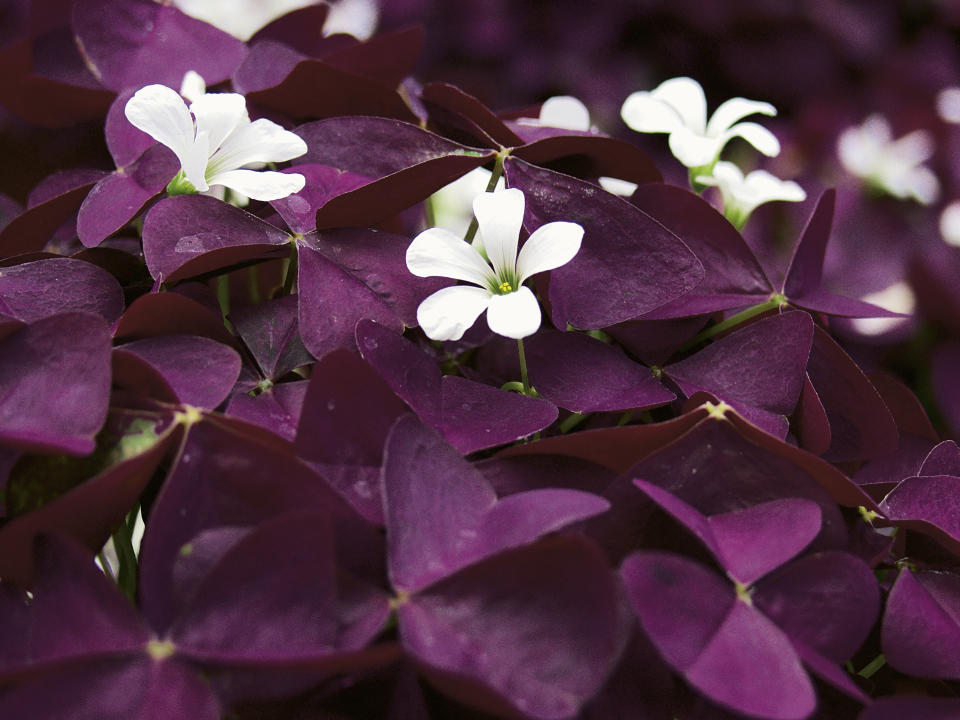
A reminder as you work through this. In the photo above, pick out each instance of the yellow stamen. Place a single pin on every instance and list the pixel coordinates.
(505, 287)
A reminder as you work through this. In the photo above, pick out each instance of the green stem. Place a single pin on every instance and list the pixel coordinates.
(523, 369)
(873, 666)
(772, 304)
(126, 557)
(253, 284)
(223, 297)
(290, 271)
(491, 186)
(572, 421)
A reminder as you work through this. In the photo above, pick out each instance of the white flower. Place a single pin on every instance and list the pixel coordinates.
(898, 298)
(679, 107)
(354, 17)
(193, 86)
(240, 18)
(742, 195)
(950, 224)
(893, 166)
(453, 203)
(568, 113)
(948, 105)
(213, 149)
(512, 309)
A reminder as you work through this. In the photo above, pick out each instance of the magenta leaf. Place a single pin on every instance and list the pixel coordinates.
(35, 290)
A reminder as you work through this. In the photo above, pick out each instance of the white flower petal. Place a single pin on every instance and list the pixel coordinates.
(757, 135)
(617, 186)
(685, 96)
(260, 141)
(437, 252)
(564, 111)
(193, 86)
(162, 114)
(449, 313)
(260, 185)
(950, 224)
(948, 104)
(514, 315)
(736, 109)
(500, 215)
(923, 186)
(195, 167)
(913, 148)
(548, 247)
(644, 113)
(694, 150)
(356, 17)
(219, 115)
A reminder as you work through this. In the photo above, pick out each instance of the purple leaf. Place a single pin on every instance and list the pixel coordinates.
(628, 263)
(55, 384)
(195, 370)
(298, 29)
(589, 156)
(92, 510)
(224, 621)
(31, 229)
(299, 211)
(277, 409)
(921, 625)
(810, 422)
(125, 142)
(582, 374)
(134, 688)
(424, 476)
(761, 365)
(315, 89)
(828, 601)
(403, 162)
(347, 413)
(39, 289)
(388, 56)
(751, 542)
(861, 426)
(715, 640)
(132, 43)
(534, 631)
(944, 459)
(270, 332)
(118, 198)
(470, 415)
(916, 707)
(928, 504)
(190, 235)
(170, 313)
(733, 276)
(469, 114)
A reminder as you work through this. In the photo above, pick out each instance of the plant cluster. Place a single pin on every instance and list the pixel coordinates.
(652, 484)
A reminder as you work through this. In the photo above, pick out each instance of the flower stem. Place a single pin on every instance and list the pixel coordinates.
(523, 369)
(491, 186)
(223, 298)
(772, 304)
(290, 271)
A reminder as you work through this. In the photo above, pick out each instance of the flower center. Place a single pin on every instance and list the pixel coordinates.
(505, 288)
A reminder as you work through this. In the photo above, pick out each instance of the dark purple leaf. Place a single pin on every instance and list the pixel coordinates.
(810, 422)
(945, 360)
(590, 156)
(469, 114)
(714, 639)
(628, 263)
(170, 313)
(299, 211)
(195, 370)
(510, 475)
(904, 405)
(301, 30)
(55, 384)
(266, 65)
(118, 198)
(747, 543)
(582, 374)
(921, 625)
(190, 235)
(424, 477)
(533, 631)
(861, 426)
(915, 707)
(733, 276)
(63, 194)
(929, 504)
(133, 447)
(881, 475)
(131, 688)
(132, 43)
(828, 601)
(470, 415)
(760, 365)
(655, 341)
(270, 332)
(39, 289)
(316, 89)
(347, 413)
(125, 142)
(944, 459)
(277, 409)
(388, 56)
